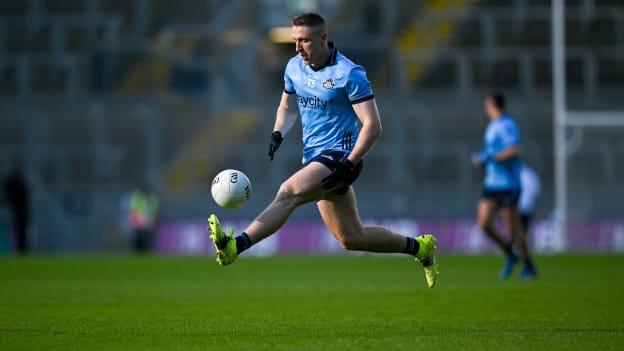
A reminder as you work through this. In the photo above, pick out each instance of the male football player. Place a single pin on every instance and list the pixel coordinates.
(340, 123)
(501, 187)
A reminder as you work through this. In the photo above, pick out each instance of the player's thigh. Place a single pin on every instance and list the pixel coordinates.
(340, 214)
(486, 208)
(305, 184)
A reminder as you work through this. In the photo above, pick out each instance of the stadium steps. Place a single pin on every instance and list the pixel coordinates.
(180, 39)
(157, 67)
(197, 162)
(421, 34)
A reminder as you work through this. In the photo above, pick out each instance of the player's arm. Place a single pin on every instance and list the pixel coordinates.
(480, 158)
(368, 114)
(507, 153)
(284, 121)
(360, 93)
(510, 138)
(284, 118)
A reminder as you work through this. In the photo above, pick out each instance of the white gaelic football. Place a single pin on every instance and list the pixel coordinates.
(231, 188)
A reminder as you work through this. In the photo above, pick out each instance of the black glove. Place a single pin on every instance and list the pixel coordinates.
(343, 174)
(276, 141)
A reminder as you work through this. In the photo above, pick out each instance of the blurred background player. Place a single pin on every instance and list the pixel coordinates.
(340, 123)
(500, 158)
(143, 216)
(531, 188)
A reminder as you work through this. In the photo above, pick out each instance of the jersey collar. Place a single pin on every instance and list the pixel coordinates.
(333, 51)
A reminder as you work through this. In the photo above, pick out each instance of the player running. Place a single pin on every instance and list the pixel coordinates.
(501, 186)
(340, 123)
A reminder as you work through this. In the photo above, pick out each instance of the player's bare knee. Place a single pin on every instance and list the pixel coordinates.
(288, 195)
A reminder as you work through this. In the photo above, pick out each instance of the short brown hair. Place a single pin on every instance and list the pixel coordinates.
(309, 20)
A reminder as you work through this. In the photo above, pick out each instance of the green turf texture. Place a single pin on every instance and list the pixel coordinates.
(308, 303)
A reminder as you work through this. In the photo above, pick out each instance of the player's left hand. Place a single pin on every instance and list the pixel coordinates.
(341, 175)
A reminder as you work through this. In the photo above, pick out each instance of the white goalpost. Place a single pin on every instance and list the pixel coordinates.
(564, 118)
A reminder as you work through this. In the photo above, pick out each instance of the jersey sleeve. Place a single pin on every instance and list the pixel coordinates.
(358, 87)
(289, 87)
(509, 134)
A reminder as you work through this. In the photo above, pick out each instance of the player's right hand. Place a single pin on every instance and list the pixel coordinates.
(479, 159)
(274, 144)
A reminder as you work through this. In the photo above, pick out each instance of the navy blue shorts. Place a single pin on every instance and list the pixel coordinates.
(502, 197)
(331, 159)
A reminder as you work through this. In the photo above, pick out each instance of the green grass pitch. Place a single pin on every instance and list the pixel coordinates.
(308, 303)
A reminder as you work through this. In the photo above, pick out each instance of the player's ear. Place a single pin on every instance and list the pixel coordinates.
(324, 37)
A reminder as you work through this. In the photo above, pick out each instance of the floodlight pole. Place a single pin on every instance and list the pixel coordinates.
(559, 111)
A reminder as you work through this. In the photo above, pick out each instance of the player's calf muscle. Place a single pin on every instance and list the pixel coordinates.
(351, 240)
(352, 244)
(484, 223)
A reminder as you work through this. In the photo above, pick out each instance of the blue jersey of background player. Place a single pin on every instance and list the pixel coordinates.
(504, 174)
(325, 97)
(501, 186)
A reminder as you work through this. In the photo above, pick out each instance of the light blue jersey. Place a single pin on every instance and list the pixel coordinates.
(499, 135)
(325, 96)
